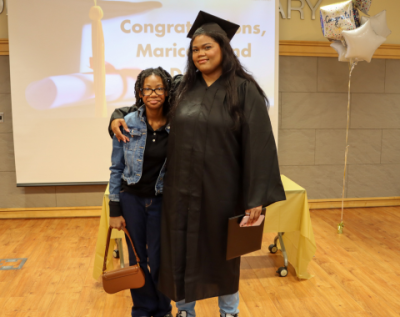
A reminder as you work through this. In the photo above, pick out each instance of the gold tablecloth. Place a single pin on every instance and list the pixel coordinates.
(291, 217)
(101, 239)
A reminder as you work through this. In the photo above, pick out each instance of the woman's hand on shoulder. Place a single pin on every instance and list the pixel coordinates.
(254, 214)
(117, 222)
(115, 127)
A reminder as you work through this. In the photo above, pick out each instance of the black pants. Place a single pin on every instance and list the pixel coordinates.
(143, 222)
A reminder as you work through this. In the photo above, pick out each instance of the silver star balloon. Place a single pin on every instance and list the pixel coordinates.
(362, 42)
(378, 23)
(341, 50)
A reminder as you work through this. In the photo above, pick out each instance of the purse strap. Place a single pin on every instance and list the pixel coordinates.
(108, 244)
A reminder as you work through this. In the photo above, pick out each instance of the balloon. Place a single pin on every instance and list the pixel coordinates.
(338, 17)
(341, 50)
(363, 5)
(356, 17)
(362, 42)
(378, 23)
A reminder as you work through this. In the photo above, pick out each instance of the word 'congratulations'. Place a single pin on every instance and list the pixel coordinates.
(161, 29)
(338, 18)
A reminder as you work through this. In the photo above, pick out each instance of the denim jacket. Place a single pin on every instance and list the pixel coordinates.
(127, 158)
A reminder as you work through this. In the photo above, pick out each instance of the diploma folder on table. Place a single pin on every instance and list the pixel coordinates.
(243, 240)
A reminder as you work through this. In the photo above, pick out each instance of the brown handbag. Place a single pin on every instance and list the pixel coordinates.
(124, 278)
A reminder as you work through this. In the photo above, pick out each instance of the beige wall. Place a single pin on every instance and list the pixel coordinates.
(310, 30)
(313, 110)
(307, 29)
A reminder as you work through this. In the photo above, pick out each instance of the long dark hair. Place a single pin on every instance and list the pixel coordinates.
(231, 67)
(166, 79)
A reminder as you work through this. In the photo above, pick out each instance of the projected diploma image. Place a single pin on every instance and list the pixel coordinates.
(53, 82)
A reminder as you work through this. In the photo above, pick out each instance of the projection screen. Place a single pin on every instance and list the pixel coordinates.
(58, 136)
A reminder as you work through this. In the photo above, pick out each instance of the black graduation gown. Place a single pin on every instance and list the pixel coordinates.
(213, 173)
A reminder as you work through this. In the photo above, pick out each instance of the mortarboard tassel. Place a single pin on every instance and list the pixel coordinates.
(98, 60)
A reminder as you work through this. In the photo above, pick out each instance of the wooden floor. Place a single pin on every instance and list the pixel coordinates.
(356, 274)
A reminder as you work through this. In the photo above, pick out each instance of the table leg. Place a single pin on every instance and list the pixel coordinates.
(285, 258)
(121, 252)
(282, 271)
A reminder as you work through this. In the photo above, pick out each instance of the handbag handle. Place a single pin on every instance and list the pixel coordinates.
(108, 244)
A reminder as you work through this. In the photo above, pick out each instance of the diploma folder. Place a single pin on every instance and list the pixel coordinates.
(243, 240)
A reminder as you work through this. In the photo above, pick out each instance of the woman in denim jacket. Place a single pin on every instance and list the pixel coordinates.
(136, 185)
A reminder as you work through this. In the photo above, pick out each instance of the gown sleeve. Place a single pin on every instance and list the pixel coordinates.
(119, 114)
(262, 184)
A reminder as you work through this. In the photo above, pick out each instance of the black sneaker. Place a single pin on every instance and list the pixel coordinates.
(182, 313)
(230, 315)
(168, 315)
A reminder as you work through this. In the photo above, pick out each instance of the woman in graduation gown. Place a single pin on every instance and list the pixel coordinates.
(221, 162)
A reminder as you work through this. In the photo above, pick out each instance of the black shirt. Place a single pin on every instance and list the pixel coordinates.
(155, 153)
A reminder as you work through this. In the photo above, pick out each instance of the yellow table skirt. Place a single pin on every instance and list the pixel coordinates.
(291, 217)
(101, 239)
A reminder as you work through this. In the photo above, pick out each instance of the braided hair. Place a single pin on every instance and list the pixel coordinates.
(166, 79)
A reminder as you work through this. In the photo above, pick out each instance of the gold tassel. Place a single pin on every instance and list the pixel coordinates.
(98, 61)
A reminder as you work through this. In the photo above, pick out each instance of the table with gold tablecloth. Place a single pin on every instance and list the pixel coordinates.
(291, 216)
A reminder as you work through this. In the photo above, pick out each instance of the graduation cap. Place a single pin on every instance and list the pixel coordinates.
(212, 23)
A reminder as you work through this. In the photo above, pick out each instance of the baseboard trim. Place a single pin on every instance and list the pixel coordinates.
(52, 212)
(95, 211)
(323, 49)
(354, 202)
(4, 48)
